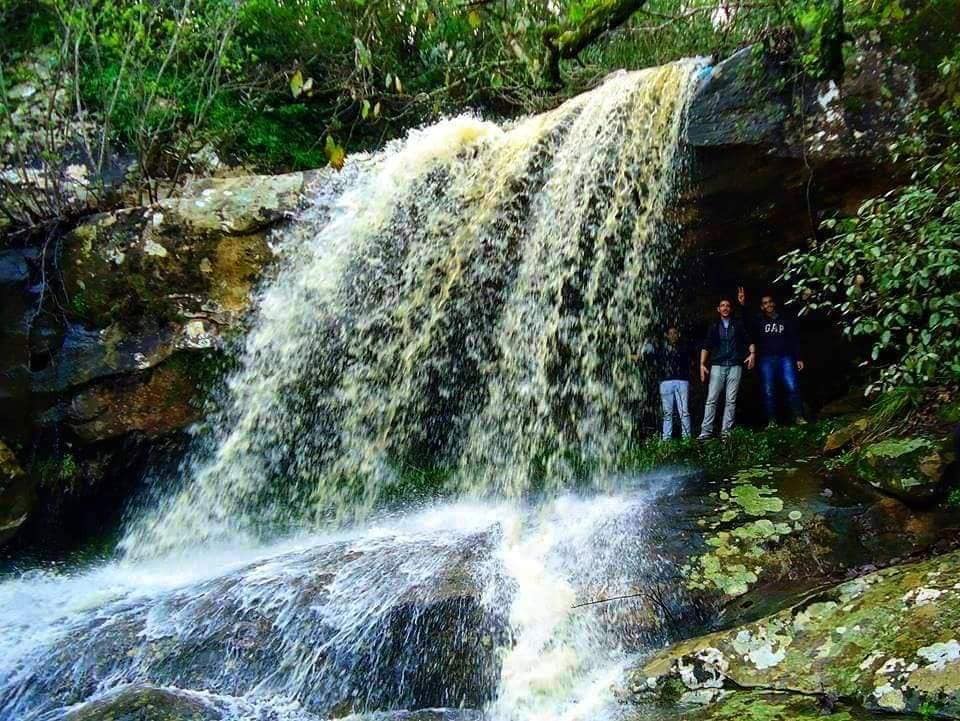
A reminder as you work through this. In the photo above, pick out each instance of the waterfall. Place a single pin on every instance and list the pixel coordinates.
(474, 297)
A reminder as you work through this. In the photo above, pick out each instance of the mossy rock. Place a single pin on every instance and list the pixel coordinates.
(888, 641)
(17, 494)
(844, 436)
(766, 706)
(195, 255)
(753, 536)
(911, 468)
(146, 703)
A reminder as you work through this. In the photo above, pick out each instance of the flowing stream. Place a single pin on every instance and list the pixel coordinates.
(473, 298)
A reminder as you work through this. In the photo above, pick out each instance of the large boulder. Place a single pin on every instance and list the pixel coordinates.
(363, 624)
(150, 294)
(142, 702)
(887, 641)
(193, 256)
(758, 705)
(911, 468)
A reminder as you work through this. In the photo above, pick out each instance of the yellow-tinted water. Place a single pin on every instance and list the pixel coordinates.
(475, 296)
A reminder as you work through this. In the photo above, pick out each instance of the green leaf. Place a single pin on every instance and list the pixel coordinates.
(296, 84)
(336, 155)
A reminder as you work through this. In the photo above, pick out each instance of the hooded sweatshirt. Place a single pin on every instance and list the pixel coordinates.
(776, 336)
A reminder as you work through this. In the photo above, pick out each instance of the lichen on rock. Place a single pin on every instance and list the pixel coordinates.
(887, 641)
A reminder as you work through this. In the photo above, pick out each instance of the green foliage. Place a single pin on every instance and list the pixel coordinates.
(953, 498)
(718, 458)
(266, 83)
(895, 405)
(891, 273)
(59, 471)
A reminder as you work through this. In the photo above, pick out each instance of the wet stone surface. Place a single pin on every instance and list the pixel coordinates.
(886, 641)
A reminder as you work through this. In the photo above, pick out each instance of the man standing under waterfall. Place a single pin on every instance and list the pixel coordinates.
(725, 350)
(674, 360)
(778, 355)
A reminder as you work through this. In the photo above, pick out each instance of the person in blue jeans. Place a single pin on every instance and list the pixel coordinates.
(778, 356)
(674, 361)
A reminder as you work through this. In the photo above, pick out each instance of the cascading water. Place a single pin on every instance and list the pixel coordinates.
(477, 296)
(474, 295)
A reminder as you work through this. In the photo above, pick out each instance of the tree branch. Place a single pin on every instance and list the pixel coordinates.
(566, 43)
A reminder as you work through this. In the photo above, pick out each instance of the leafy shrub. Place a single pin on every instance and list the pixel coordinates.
(891, 273)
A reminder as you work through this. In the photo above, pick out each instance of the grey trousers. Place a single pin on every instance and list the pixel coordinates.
(722, 379)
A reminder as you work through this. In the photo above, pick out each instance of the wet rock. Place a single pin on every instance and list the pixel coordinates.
(737, 104)
(429, 714)
(146, 703)
(367, 625)
(912, 468)
(17, 494)
(160, 402)
(886, 640)
(18, 305)
(758, 706)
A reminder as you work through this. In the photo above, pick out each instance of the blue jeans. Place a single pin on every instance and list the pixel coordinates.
(675, 393)
(780, 370)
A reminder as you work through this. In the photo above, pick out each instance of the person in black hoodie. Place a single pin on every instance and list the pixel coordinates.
(778, 355)
(723, 353)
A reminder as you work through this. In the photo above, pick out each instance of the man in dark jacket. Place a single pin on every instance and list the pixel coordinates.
(726, 348)
(778, 354)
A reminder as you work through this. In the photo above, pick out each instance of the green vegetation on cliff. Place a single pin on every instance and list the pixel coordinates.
(183, 85)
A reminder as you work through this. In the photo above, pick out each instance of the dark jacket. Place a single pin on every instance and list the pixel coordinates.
(775, 336)
(673, 362)
(727, 347)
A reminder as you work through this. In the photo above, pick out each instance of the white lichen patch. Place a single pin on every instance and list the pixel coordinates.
(889, 698)
(870, 660)
(706, 668)
(922, 596)
(762, 650)
(938, 655)
(116, 256)
(151, 247)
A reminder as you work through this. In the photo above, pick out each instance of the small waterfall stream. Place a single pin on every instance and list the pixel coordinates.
(474, 297)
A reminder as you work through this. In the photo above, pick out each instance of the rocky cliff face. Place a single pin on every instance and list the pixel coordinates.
(125, 350)
(100, 371)
(773, 154)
